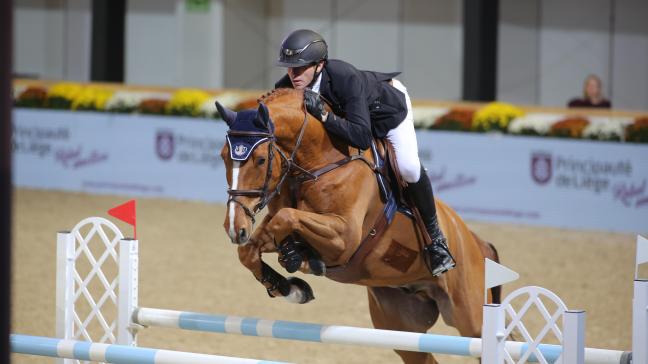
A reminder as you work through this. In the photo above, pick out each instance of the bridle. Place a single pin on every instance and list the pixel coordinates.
(288, 166)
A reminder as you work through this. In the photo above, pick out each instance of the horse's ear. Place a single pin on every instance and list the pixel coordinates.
(264, 115)
(228, 115)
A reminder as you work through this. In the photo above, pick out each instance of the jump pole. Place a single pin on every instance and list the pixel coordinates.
(398, 340)
(117, 354)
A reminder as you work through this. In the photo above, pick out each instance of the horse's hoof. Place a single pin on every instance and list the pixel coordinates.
(300, 291)
(317, 267)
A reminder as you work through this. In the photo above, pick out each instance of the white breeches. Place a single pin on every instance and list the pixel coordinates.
(403, 138)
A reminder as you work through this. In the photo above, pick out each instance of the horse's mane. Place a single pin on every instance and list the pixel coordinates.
(280, 93)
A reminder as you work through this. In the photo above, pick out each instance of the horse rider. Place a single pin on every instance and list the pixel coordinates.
(365, 105)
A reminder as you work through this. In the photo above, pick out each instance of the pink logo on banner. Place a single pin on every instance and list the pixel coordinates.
(164, 145)
(541, 170)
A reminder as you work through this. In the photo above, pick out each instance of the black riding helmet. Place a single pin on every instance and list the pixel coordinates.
(301, 48)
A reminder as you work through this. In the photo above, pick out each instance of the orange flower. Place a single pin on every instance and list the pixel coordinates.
(33, 96)
(455, 119)
(152, 106)
(571, 127)
(638, 131)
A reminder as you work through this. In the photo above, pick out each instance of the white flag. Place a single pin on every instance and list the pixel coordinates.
(642, 250)
(497, 274)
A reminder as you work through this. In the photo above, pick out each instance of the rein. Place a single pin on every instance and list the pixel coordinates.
(288, 166)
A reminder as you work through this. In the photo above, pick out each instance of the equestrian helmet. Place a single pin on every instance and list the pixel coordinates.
(301, 48)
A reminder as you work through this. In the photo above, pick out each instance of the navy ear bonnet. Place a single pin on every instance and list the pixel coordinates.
(255, 122)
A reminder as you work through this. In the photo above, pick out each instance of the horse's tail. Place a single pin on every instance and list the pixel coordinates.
(489, 251)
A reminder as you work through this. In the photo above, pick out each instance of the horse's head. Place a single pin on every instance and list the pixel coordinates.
(260, 153)
(249, 156)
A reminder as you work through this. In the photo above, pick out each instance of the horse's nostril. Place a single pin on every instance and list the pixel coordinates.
(243, 235)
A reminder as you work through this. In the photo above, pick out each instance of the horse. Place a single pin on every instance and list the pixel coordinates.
(323, 194)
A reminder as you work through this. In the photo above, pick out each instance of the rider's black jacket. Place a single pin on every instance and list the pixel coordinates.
(364, 102)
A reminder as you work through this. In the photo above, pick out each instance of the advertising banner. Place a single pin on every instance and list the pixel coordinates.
(487, 177)
(120, 154)
(543, 181)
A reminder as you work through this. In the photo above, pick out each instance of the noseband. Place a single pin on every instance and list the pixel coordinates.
(288, 166)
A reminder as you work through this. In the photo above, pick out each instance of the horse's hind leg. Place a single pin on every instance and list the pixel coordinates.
(395, 309)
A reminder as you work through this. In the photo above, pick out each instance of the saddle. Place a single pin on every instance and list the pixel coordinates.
(390, 182)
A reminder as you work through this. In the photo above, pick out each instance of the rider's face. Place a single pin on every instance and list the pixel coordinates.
(302, 76)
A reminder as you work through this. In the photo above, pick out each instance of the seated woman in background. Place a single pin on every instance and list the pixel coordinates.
(592, 95)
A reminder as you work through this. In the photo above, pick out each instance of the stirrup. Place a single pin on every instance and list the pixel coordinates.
(439, 270)
(447, 264)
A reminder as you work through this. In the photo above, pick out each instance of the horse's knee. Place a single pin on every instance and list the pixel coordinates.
(285, 221)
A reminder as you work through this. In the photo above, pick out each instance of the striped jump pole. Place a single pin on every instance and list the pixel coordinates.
(117, 354)
(398, 340)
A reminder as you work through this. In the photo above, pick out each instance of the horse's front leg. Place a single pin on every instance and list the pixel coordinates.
(326, 234)
(293, 289)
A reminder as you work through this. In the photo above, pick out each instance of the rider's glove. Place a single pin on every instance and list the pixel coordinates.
(314, 105)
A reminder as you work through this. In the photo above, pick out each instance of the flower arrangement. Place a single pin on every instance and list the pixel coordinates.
(606, 129)
(638, 131)
(32, 96)
(455, 119)
(570, 127)
(61, 95)
(129, 101)
(208, 108)
(91, 98)
(495, 116)
(123, 102)
(424, 117)
(153, 106)
(187, 102)
(533, 124)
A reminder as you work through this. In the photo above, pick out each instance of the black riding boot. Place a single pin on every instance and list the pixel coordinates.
(437, 255)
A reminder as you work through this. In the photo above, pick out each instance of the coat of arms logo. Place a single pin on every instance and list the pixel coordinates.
(240, 150)
(541, 170)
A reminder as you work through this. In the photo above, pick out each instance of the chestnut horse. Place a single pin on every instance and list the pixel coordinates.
(324, 193)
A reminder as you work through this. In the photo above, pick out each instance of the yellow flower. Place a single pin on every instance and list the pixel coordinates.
(66, 90)
(495, 116)
(91, 97)
(187, 102)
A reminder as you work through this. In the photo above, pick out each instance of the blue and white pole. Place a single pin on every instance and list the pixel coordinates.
(398, 340)
(117, 354)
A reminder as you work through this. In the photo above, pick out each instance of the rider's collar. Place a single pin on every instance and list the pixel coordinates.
(316, 84)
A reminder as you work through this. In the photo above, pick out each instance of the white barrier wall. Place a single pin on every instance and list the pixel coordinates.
(119, 154)
(489, 177)
(542, 181)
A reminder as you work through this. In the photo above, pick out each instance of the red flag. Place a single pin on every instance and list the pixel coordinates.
(127, 213)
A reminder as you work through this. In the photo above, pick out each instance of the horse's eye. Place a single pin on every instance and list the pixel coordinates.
(260, 161)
